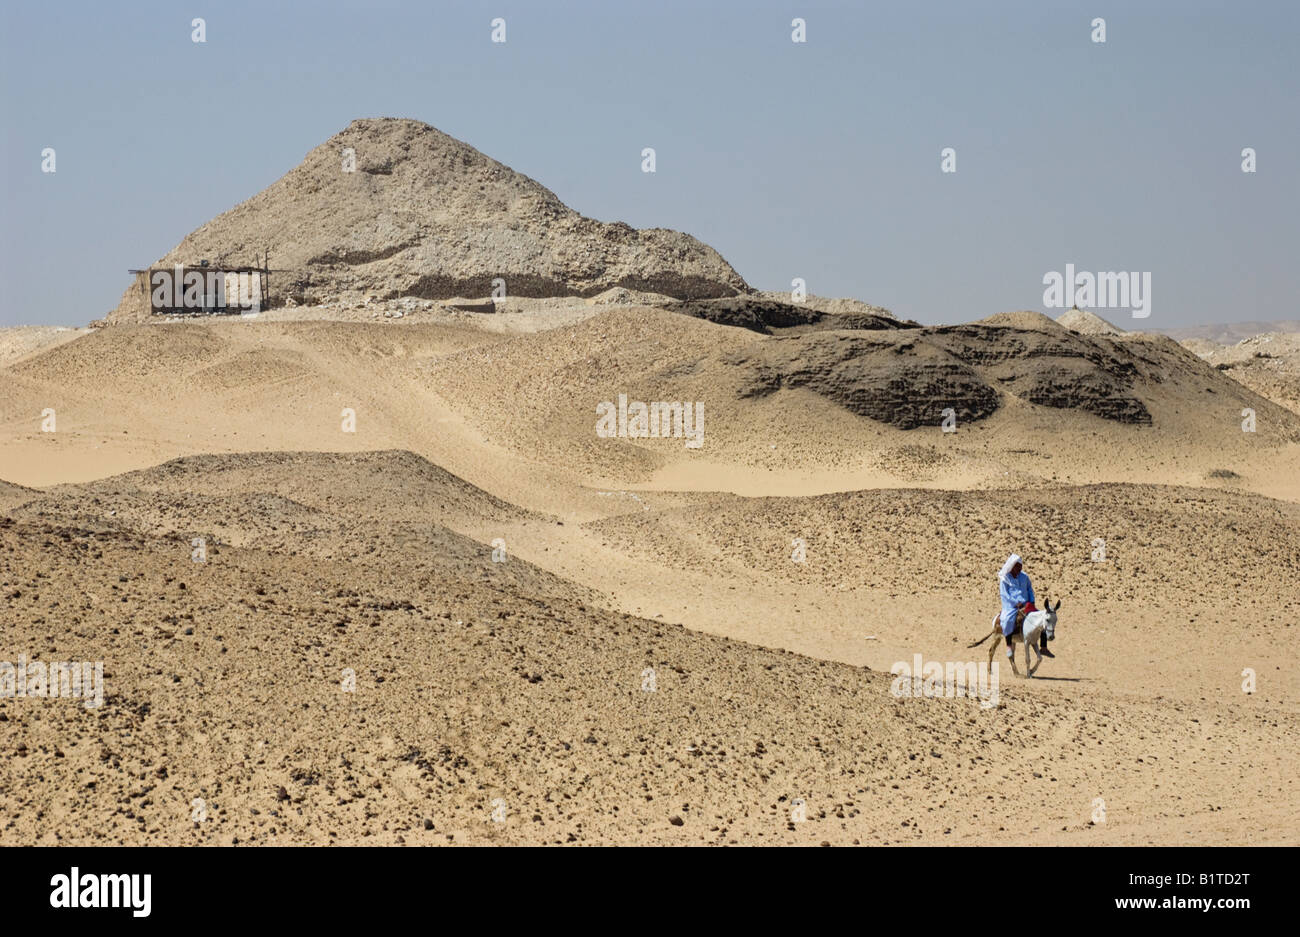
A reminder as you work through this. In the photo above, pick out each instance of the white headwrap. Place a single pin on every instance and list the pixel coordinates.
(1012, 560)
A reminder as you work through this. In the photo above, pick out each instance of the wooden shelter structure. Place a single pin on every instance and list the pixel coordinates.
(205, 289)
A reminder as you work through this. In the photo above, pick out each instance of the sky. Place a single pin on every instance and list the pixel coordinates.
(819, 160)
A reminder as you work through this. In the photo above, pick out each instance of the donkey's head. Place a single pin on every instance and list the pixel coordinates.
(1050, 623)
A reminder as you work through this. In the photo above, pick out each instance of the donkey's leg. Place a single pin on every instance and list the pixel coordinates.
(1012, 657)
(1033, 669)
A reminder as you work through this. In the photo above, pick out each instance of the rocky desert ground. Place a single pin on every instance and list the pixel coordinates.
(361, 568)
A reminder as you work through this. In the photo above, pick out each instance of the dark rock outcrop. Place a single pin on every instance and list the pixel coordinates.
(908, 377)
(763, 315)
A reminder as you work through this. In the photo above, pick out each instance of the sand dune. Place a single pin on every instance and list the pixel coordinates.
(500, 690)
(20, 342)
(813, 411)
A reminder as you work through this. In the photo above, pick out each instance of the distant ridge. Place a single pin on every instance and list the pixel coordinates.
(1229, 333)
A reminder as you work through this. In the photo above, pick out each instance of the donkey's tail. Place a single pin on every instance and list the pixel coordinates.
(981, 640)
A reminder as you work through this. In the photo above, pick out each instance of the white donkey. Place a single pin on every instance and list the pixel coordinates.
(1029, 633)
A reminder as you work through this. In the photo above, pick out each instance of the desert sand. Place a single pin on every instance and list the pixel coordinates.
(460, 615)
(522, 680)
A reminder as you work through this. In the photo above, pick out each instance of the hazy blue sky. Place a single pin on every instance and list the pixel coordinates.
(818, 160)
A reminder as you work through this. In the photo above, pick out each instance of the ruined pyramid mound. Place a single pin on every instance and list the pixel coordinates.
(1025, 319)
(1087, 323)
(423, 214)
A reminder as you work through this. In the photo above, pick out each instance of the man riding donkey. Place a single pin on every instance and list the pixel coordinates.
(1017, 594)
